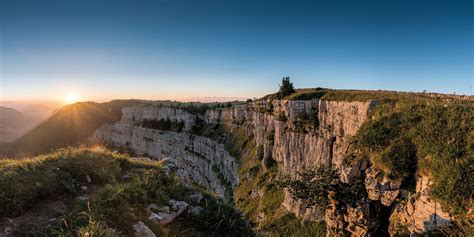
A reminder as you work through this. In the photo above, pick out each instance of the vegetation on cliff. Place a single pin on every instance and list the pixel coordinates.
(409, 135)
(258, 195)
(436, 138)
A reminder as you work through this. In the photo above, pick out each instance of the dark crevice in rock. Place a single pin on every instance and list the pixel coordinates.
(382, 214)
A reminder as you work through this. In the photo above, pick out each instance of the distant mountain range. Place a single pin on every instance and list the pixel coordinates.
(18, 118)
(69, 125)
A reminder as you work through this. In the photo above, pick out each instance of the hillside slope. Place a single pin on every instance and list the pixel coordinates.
(94, 192)
(71, 125)
(11, 121)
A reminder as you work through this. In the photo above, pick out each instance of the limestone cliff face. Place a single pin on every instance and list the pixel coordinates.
(419, 212)
(296, 134)
(295, 148)
(206, 161)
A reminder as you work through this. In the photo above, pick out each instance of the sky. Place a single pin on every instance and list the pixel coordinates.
(110, 49)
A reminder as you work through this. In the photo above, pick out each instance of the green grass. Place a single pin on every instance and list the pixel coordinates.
(287, 224)
(362, 95)
(119, 202)
(431, 136)
(307, 94)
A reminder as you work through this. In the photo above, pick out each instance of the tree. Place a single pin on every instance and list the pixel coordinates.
(312, 186)
(286, 87)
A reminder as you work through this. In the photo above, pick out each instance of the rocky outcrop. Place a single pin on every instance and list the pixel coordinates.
(166, 214)
(380, 188)
(206, 161)
(419, 212)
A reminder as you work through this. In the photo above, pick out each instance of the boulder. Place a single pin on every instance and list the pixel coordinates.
(196, 197)
(178, 206)
(142, 230)
(155, 208)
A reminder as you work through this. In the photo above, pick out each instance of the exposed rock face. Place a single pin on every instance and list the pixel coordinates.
(206, 161)
(380, 188)
(420, 213)
(297, 135)
(293, 149)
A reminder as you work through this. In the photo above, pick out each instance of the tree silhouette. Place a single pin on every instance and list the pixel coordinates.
(286, 87)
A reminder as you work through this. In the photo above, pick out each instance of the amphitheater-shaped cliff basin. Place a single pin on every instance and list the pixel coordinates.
(292, 135)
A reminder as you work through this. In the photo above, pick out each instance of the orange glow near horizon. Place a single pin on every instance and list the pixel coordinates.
(71, 98)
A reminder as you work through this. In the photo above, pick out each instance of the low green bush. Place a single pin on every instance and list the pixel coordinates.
(288, 225)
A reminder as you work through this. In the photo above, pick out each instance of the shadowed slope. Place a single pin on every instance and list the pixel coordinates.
(71, 125)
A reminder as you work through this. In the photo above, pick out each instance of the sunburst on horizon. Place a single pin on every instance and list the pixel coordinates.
(71, 98)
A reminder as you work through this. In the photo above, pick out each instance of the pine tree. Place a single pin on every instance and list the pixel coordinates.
(286, 87)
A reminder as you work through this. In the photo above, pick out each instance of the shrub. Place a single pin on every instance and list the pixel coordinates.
(288, 225)
(163, 124)
(281, 116)
(311, 186)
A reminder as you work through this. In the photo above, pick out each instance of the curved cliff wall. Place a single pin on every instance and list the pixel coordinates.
(296, 135)
(206, 161)
(295, 148)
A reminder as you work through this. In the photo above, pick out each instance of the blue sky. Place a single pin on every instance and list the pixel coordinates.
(180, 49)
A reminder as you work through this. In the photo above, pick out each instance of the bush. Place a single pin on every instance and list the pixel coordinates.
(163, 124)
(311, 186)
(288, 225)
(281, 116)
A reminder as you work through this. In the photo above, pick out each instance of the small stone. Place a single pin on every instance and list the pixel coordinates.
(196, 197)
(159, 216)
(84, 188)
(142, 230)
(195, 210)
(163, 218)
(388, 197)
(88, 178)
(155, 208)
(178, 206)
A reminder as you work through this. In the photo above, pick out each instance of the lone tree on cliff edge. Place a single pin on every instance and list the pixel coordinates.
(286, 87)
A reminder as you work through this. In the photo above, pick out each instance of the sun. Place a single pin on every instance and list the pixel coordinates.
(71, 98)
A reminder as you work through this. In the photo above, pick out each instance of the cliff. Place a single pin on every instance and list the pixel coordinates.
(290, 135)
(204, 160)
